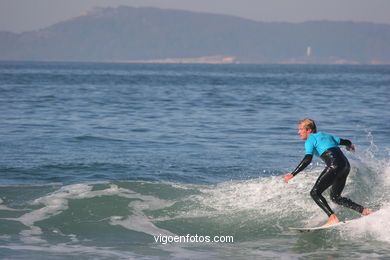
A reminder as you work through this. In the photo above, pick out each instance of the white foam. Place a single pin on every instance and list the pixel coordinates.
(138, 221)
(141, 223)
(77, 250)
(374, 177)
(386, 176)
(3, 207)
(375, 225)
(32, 185)
(267, 195)
(54, 203)
(57, 202)
(268, 199)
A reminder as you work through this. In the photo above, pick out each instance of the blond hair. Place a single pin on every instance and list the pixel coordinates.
(309, 124)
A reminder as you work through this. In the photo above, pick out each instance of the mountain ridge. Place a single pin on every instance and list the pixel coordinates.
(145, 33)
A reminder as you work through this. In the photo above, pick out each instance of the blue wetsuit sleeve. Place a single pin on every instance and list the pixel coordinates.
(304, 163)
(336, 139)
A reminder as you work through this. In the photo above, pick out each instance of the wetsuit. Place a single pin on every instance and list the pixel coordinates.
(335, 174)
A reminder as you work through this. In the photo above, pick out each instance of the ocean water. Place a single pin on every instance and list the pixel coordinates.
(105, 161)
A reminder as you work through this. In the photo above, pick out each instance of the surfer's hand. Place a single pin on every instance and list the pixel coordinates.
(351, 148)
(288, 177)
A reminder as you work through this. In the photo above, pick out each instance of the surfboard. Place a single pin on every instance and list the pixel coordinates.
(311, 229)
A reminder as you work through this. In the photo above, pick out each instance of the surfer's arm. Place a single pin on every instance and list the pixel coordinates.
(304, 163)
(348, 144)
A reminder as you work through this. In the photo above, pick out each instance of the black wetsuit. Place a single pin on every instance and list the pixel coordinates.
(335, 174)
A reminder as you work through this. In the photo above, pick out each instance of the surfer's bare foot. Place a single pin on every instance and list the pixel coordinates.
(332, 220)
(366, 212)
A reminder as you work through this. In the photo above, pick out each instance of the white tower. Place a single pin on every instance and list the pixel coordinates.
(308, 51)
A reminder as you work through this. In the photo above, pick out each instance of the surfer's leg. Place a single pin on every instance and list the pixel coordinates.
(323, 182)
(337, 188)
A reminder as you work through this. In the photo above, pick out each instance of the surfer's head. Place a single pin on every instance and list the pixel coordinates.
(306, 127)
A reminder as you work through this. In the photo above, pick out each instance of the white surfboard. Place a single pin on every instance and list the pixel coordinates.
(311, 229)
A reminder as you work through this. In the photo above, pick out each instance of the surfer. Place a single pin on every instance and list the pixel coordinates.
(336, 172)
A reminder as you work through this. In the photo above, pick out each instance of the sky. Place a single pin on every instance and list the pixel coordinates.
(27, 15)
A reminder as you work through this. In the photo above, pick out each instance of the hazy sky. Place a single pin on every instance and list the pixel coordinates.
(26, 15)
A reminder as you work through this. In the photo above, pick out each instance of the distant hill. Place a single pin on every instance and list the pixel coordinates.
(142, 34)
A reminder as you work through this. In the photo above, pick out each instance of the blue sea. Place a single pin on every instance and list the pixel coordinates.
(105, 161)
